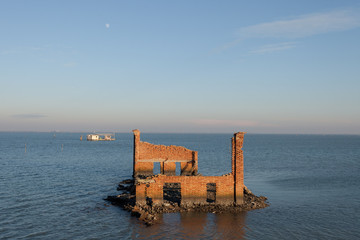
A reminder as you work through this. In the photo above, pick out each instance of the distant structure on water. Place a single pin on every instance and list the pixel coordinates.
(101, 137)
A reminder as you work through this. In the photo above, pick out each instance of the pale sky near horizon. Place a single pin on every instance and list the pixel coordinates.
(180, 66)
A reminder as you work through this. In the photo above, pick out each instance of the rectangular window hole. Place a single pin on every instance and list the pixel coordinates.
(178, 169)
(211, 192)
(172, 193)
(156, 169)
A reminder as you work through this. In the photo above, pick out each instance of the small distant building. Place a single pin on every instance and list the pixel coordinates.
(93, 137)
(101, 137)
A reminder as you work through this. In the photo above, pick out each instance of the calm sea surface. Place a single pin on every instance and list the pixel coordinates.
(55, 190)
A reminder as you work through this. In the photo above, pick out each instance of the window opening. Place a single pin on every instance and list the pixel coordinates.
(211, 192)
(172, 192)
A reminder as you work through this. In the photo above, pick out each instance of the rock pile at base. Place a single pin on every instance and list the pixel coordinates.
(148, 213)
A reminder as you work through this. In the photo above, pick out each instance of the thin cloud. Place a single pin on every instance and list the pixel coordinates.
(274, 48)
(29, 116)
(107, 25)
(305, 25)
(298, 27)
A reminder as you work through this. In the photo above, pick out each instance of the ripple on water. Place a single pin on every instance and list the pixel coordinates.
(311, 183)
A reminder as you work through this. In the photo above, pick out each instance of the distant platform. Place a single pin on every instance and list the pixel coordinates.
(101, 137)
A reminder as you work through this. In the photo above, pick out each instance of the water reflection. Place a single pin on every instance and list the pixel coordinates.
(230, 225)
(191, 225)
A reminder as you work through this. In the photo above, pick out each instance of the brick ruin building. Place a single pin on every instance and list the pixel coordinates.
(189, 187)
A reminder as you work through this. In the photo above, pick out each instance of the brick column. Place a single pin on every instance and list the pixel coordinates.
(238, 166)
(140, 193)
(195, 162)
(186, 168)
(136, 150)
(168, 168)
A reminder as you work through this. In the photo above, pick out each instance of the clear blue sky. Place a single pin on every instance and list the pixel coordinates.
(180, 66)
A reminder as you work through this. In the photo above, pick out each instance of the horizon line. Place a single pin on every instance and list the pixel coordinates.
(145, 132)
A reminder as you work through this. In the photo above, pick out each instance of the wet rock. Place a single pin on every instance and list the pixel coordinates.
(166, 204)
(127, 181)
(121, 187)
(144, 216)
(136, 211)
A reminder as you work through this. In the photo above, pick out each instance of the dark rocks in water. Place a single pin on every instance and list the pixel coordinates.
(130, 188)
(144, 214)
(127, 181)
(124, 200)
(148, 213)
(121, 187)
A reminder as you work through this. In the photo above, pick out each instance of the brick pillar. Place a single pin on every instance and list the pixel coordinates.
(238, 166)
(140, 168)
(195, 162)
(155, 192)
(233, 156)
(168, 168)
(140, 193)
(191, 167)
(186, 168)
(136, 150)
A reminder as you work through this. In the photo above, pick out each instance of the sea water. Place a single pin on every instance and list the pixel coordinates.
(53, 186)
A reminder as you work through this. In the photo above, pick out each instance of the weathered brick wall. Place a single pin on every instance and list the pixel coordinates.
(145, 154)
(151, 151)
(229, 187)
(193, 188)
